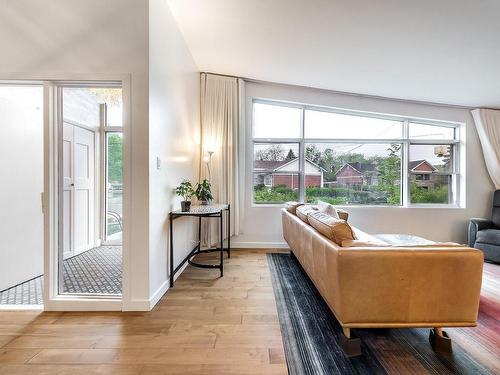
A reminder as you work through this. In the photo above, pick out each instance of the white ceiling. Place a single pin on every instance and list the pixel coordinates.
(444, 51)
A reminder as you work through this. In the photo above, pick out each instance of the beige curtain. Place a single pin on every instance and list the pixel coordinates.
(220, 133)
(488, 128)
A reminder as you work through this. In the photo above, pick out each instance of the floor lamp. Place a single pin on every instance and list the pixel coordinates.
(208, 161)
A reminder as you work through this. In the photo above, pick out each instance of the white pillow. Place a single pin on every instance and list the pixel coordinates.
(328, 209)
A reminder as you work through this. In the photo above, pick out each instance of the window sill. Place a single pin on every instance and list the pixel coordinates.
(268, 205)
(347, 207)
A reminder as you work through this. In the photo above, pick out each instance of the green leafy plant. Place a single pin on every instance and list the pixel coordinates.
(185, 190)
(204, 191)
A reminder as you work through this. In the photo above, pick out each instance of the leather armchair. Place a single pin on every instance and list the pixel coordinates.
(484, 234)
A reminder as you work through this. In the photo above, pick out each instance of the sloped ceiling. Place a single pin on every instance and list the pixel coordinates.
(443, 51)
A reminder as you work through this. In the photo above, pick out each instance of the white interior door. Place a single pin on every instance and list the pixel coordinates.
(78, 189)
(67, 200)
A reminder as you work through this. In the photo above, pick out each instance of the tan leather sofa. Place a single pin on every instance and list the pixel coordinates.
(396, 287)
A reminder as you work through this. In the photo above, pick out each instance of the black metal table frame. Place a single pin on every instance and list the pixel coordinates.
(197, 249)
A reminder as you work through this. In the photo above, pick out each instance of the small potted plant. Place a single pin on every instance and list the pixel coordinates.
(204, 192)
(185, 190)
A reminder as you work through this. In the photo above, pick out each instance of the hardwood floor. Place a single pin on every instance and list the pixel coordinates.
(204, 325)
(483, 341)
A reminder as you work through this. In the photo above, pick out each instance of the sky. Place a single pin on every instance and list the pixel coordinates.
(272, 121)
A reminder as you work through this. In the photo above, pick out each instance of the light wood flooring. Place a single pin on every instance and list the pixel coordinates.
(204, 325)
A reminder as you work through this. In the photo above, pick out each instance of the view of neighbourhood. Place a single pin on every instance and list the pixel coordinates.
(350, 158)
(346, 174)
(115, 185)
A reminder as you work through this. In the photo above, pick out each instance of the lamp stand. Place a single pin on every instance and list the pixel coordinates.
(209, 163)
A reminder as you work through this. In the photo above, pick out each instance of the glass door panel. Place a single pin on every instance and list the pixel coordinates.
(91, 188)
(114, 187)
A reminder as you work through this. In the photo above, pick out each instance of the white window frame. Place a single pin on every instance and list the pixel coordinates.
(105, 130)
(457, 145)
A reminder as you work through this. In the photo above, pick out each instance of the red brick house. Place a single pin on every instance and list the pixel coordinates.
(357, 174)
(284, 173)
(365, 173)
(421, 171)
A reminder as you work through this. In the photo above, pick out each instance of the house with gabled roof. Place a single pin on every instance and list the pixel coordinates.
(273, 173)
(357, 174)
(420, 173)
(366, 174)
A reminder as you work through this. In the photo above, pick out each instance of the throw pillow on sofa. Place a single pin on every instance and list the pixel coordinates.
(331, 210)
(334, 229)
(303, 211)
(328, 209)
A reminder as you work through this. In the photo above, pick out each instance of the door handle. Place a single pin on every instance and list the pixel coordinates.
(72, 184)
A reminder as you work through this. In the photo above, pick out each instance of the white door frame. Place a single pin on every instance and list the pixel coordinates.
(52, 300)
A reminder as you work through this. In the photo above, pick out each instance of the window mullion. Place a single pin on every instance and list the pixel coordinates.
(302, 158)
(405, 155)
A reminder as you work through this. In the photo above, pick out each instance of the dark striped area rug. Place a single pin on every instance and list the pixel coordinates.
(311, 336)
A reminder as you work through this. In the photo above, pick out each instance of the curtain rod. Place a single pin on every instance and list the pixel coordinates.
(366, 96)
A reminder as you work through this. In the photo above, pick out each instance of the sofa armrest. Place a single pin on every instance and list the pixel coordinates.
(409, 286)
(475, 225)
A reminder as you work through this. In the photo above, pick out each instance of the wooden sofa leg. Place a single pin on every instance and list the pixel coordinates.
(350, 345)
(440, 341)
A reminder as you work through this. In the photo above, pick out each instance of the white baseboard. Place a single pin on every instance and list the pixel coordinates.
(147, 305)
(178, 273)
(258, 245)
(153, 300)
(136, 305)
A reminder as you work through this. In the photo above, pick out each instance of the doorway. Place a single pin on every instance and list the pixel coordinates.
(91, 188)
(62, 219)
(21, 216)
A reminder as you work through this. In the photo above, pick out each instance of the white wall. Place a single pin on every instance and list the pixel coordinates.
(173, 137)
(61, 38)
(262, 225)
(48, 39)
(21, 168)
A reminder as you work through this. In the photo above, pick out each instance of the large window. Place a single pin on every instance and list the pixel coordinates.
(347, 158)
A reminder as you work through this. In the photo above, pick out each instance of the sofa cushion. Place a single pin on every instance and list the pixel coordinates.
(292, 206)
(328, 209)
(331, 210)
(360, 243)
(363, 236)
(303, 210)
(491, 236)
(334, 229)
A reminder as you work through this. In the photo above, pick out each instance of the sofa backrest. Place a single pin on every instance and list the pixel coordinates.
(495, 215)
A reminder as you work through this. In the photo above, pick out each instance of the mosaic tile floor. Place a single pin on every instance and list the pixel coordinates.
(96, 271)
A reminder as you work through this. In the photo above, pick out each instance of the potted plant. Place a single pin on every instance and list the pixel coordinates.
(185, 190)
(204, 192)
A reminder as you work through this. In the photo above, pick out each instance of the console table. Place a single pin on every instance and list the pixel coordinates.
(202, 211)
